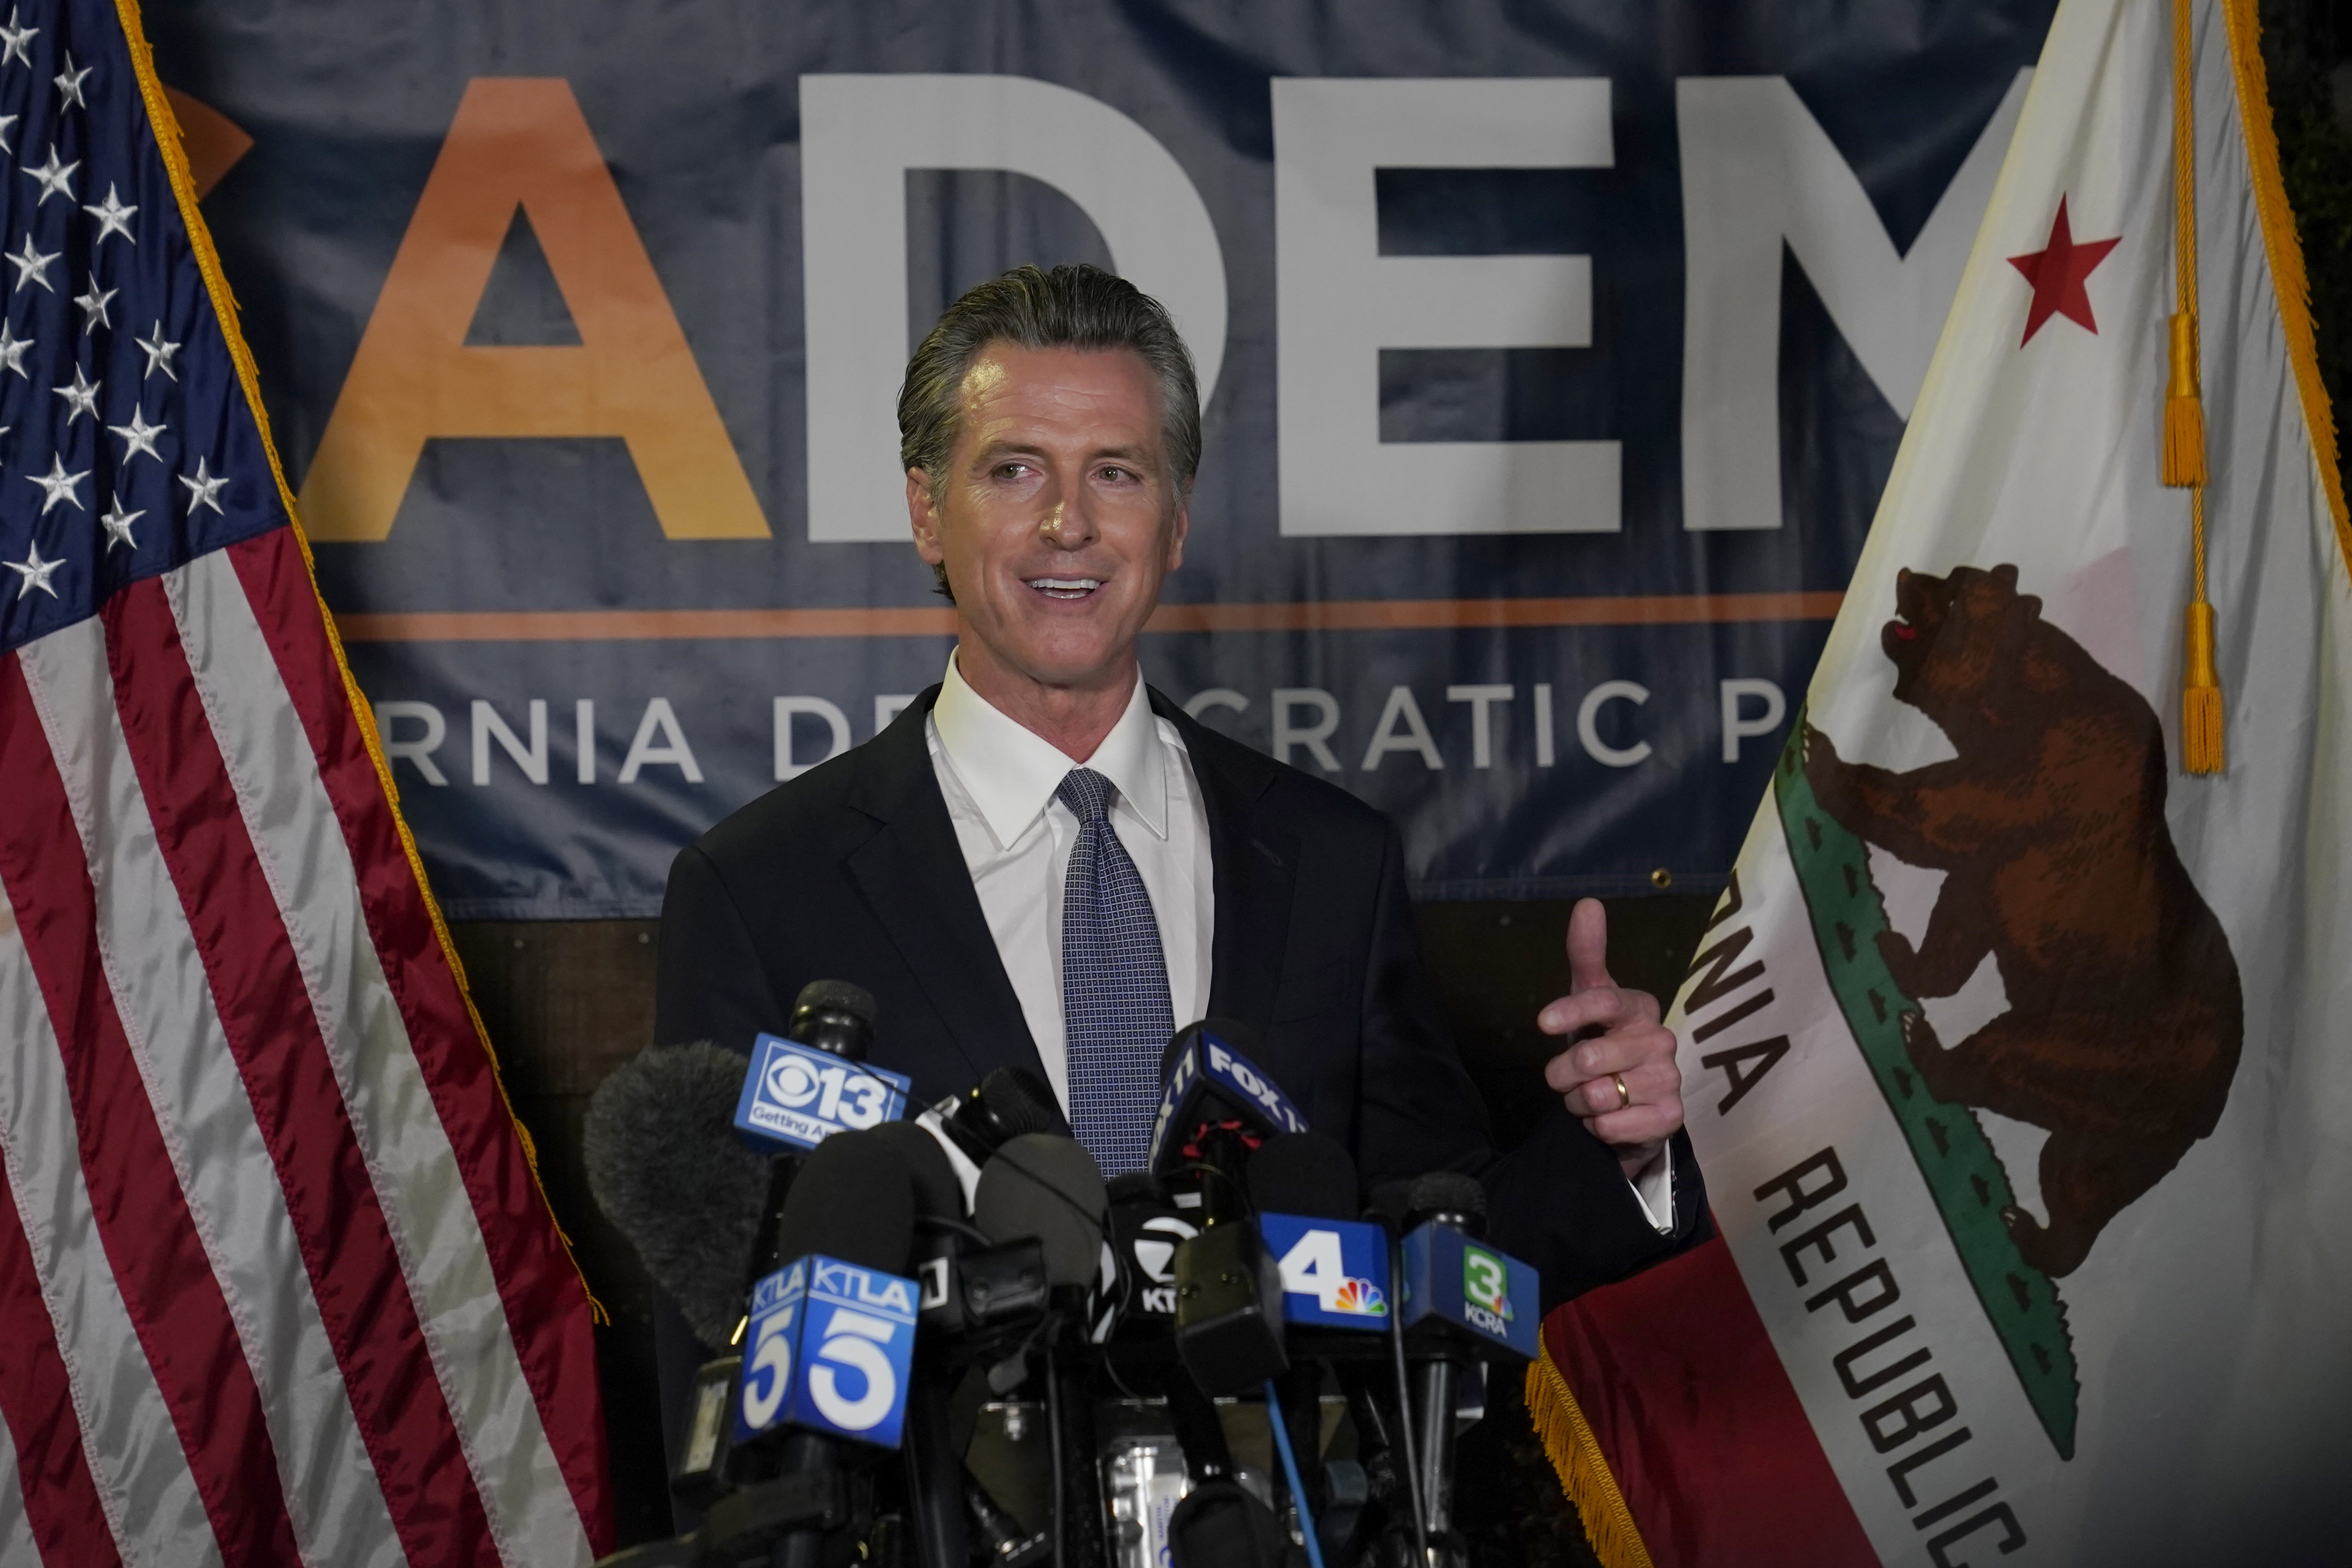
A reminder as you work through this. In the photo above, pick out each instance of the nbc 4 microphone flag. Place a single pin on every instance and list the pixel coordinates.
(277, 1279)
(2017, 1050)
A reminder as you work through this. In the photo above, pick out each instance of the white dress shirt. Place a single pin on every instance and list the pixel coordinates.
(1000, 779)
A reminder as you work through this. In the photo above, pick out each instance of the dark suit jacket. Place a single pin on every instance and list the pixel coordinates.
(852, 871)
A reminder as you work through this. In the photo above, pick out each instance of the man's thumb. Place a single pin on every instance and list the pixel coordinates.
(1587, 946)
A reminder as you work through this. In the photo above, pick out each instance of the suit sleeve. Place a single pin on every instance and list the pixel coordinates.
(710, 982)
(1559, 1201)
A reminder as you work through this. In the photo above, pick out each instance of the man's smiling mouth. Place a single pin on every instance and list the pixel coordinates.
(1065, 588)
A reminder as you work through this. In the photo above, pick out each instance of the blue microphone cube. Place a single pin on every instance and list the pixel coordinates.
(1334, 1272)
(1468, 1284)
(1228, 1071)
(795, 1096)
(829, 1349)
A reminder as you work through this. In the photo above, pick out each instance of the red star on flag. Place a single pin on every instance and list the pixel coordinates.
(2057, 272)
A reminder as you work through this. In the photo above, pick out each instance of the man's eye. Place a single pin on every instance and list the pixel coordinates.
(1011, 471)
(1118, 476)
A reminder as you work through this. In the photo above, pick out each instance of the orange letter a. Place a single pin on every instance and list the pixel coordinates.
(523, 140)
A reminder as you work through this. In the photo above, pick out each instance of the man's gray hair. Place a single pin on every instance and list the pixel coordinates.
(1075, 306)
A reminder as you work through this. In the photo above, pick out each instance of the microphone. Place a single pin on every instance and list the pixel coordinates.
(1217, 1107)
(830, 1343)
(976, 1297)
(664, 1166)
(975, 1124)
(1147, 1226)
(804, 1086)
(812, 1081)
(1335, 1277)
(1461, 1302)
(1047, 1187)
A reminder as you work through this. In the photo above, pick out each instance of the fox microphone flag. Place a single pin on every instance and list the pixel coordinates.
(2017, 1047)
(276, 1281)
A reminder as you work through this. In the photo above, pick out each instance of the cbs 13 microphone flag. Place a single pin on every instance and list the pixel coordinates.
(277, 1279)
(2017, 1050)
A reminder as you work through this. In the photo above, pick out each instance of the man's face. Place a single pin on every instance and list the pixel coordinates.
(1058, 517)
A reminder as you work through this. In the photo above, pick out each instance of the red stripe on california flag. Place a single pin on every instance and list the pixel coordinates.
(257, 988)
(546, 1306)
(52, 1476)
(1709, 1444)
(174, 1303)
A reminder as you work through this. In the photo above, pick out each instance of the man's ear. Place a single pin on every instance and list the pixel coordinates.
(1183, 525)
(924, 518)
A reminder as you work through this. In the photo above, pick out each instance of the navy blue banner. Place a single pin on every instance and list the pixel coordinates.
(1556, 358)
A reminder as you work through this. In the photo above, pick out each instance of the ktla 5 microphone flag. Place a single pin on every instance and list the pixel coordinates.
(276, 1281)
(2016, 1053)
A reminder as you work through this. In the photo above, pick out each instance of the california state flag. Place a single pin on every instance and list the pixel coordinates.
(2018, 1052)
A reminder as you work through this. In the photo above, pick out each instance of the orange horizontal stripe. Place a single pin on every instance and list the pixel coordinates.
(1326, 616)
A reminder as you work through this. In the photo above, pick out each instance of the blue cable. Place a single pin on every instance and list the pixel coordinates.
(1281, 1430)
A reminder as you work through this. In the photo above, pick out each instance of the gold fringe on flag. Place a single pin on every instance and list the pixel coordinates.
(2203, 746)
(1584, 1474)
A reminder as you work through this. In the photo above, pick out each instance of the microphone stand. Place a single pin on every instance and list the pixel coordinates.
(1413, 1473)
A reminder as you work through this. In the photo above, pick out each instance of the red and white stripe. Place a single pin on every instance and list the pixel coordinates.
(299, 1292)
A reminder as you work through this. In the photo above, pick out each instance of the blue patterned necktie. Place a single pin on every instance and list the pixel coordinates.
(1115, 1009)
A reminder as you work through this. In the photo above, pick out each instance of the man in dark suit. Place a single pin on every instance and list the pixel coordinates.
(1044, 864)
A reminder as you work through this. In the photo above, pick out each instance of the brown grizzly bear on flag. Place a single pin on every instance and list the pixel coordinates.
(2123, 1018)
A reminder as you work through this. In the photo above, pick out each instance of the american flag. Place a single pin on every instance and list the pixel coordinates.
(276, 1281)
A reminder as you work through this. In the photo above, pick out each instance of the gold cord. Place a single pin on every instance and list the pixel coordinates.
(2202, 748)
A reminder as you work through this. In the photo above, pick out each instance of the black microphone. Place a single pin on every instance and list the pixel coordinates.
(973, 1125)
(829, 1015)
(1305, 1177)
(853, 1200)
(980, 1300)
(1147, 1226)
(666, 1168)
(1216, 1107)
(1007, 1103)
(1434, 1209)
(1047, 1187)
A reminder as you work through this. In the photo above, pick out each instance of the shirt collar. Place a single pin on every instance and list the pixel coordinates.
(1012, 773)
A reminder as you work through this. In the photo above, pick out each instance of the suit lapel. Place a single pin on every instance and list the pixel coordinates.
(1257, 865)
(912, 875)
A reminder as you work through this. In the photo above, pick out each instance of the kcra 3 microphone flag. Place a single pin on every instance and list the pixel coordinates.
(2017, 1051)
(277, 1283)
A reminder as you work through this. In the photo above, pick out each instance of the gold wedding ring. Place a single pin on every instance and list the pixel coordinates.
(1625, 1095)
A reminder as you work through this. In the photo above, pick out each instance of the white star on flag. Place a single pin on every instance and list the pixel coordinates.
(16, 42)
(6, 121)
(81, 397)
(69, 82)
(59, 484)
(12, 351)
(203, 489)
(159, 353)
(53, 179)
(35, 572)
(112, 216)
(139, 437)
(117, 523)
(32, 266)
(93, 305)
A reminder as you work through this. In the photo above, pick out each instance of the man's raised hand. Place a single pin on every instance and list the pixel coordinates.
(1622, 1082)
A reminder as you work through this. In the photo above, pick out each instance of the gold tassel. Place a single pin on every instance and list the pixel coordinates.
(2201, 745)
(1575, 1455)
(2184, 410)
(2202, 750)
